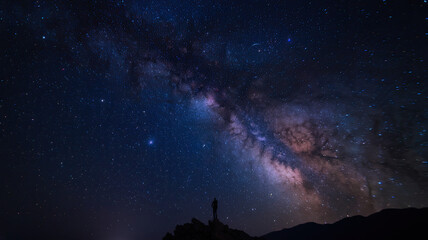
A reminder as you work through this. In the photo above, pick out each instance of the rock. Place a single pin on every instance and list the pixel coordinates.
(215, 230)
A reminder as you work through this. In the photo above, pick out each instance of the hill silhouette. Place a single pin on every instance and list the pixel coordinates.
(215, 230)
(386, 224)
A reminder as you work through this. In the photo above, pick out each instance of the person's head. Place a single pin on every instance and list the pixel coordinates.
(215, 199)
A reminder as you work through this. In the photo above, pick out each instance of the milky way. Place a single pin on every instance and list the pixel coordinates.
(288, 112)
(327, 155)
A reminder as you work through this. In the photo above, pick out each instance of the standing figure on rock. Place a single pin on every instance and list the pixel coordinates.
(214, 206)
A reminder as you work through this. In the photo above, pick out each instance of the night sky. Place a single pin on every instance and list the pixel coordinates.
(121, 119)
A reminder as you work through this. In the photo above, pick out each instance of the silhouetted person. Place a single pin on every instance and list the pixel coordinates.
(214, 206)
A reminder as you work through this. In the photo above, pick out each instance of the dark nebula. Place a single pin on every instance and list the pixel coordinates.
(120, 119)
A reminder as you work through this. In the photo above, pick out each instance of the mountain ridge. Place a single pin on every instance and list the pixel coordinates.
(385, 224)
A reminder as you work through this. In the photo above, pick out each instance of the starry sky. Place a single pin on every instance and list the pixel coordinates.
(121, 119)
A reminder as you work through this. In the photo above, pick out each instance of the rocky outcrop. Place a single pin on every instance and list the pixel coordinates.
(216, 230)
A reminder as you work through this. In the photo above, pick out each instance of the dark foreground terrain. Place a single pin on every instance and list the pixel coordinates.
(386, 224)
(410, 223)
(214, 230)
